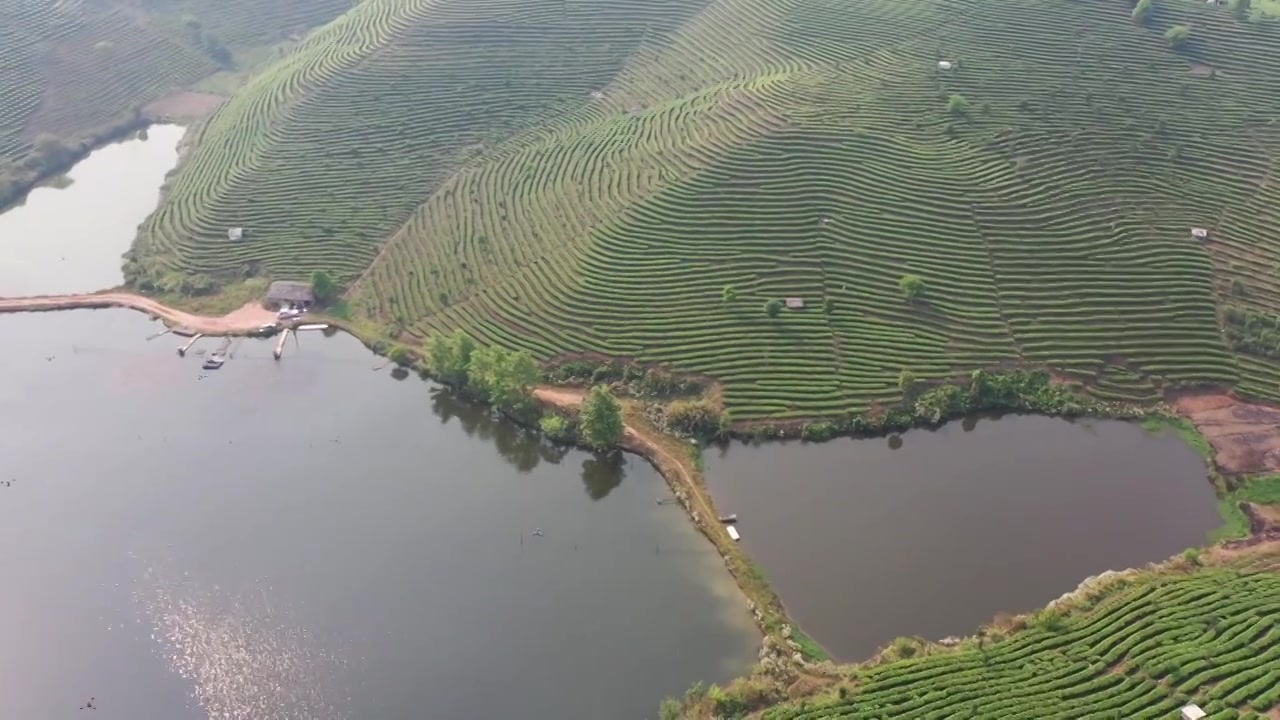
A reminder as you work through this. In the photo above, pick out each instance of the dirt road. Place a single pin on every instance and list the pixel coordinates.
(238, 322)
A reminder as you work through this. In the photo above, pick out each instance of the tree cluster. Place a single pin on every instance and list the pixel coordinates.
(1251, 331)
(506, 378)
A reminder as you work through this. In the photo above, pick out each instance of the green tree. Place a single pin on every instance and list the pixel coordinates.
(773, 307)
(601, 418)
(1178, 35)
(958, 104)
(828, 305)
(449, 356)
(505, 378)
(912, 287)
(323, 286)
(1142, 11)
(730, 293)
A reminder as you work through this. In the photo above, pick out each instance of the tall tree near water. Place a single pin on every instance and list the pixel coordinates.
(601, 418)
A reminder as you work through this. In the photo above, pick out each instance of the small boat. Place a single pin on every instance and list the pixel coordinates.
(214, 361)
(733, 533)
(727, 519)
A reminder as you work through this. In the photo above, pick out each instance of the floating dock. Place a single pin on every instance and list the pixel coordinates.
(733, 532)
(182, 351)
(313, 326)
(729, 519)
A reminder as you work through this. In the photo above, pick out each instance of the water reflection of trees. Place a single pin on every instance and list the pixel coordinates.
(520, 447)
(602, 473)
(524, 449)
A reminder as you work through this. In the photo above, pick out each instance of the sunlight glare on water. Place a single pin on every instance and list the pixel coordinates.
(243, 662)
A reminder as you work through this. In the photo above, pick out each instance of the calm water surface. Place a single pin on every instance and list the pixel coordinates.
(865, 543)
(313, 538)
(70, 239)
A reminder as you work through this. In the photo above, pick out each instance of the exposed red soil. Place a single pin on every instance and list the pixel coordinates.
(1245, 436)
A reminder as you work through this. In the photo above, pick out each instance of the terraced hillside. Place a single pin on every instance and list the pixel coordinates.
(70, 68)
(638, 178)
(1144, 651)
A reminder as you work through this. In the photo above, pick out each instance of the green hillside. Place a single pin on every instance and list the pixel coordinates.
(71, 70)
(574, 175)
(1144, 649)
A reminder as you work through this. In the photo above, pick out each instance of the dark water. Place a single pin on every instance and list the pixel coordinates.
(315, 539)
(70, 239)
(865, 542)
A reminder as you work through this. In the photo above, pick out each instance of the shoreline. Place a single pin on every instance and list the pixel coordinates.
(784, 642)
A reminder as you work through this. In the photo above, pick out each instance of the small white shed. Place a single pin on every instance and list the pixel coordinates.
(795, 303)
(1193, 712)
(945, 64)
(235, 234)
(1200, 233)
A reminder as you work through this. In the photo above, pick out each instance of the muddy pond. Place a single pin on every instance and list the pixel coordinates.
(934, 532)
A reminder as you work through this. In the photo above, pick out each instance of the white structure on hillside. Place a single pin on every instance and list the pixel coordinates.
(1193, 712)
(1200, 233)
(795, 303)
(945, 64)
(234, 234)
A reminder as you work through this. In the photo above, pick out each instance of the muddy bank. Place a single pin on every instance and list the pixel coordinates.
(238, 322)
(1245, 436)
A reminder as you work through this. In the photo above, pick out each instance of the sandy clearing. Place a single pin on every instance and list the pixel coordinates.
(1245, 436)
(238, 322)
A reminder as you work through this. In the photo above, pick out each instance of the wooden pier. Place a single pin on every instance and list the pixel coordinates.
(280, 343)
(182, 351)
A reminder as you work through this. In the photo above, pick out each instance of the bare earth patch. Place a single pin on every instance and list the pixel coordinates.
(1245, 437)
(238, 322)
(183, 106)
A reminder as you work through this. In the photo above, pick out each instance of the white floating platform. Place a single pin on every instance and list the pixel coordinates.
(313, 326)
(733, 532)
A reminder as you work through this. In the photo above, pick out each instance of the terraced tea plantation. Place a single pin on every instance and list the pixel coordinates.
(1145, 651)
(638, 178)
(68, 69)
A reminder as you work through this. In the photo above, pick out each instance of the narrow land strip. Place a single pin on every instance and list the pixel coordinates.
(238, 322)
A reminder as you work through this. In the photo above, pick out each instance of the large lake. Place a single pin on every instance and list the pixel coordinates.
(934, 532)
(311, 538)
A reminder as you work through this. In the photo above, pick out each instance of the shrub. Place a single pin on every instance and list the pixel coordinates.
(773, 307)
(957, 104)
(1178, 35)
(400, 356)
(698, 418)
(730, 293)
(912, 287)
(553, 426)
(1141, 11)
